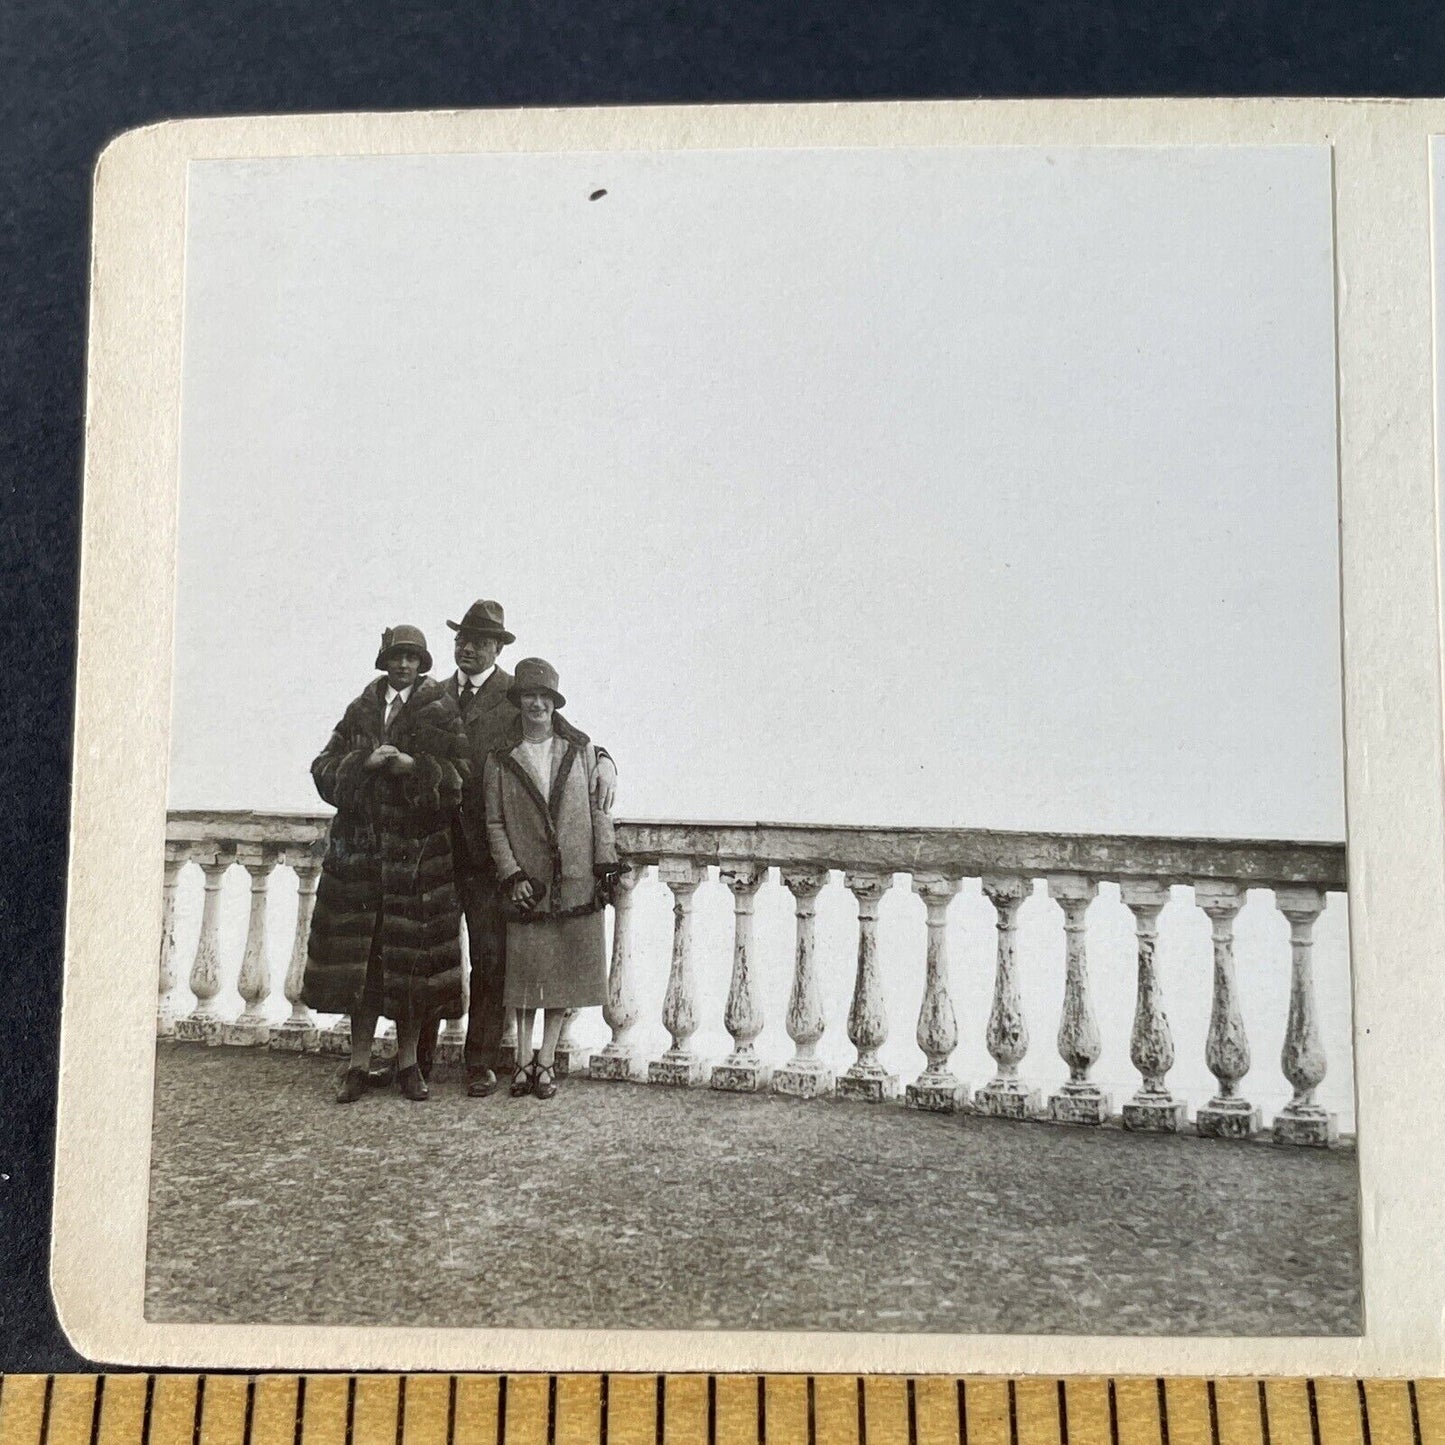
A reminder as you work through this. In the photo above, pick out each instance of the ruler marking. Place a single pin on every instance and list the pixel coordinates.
(1063, 1415)
(602, 1436)
(1163, 1413)
(1415, 1415)
(862, 1415)
(1264, 1414)
(1314, 1411)
(250, 1410)
(712, 1411)
(300, 1408)
(812, 1411)
(1364, 1411)
(200, 1411)
(145, 1429)
(96, 1409)
(1013, 1415)
(45, 1410)
(451, 1410)
(963, 1415)
(350, 1407)
(501, 1412)
(661, 1426)
(1214, 1412)
(912, 1411)
(400, 1409)
(762, 1413)
(1114, 1416)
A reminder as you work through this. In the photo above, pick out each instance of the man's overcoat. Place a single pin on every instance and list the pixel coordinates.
(388, 869)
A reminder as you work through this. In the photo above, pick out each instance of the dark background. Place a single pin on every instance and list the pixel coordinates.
(74, 73)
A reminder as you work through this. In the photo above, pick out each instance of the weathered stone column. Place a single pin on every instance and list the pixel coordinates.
(1302, 1121)
(298, 1033)
(572, 1057)
(937, 1088)
(203, 1023)
(804, 1076)
(254, 981)
(619, 1059)
(866, 1078)
(679, 1065)
(166, 984)
(507, 1049)
(1078, 1101)
(337, 1039)
(743, 1071)
(1007, 1035)
(1151, 1045)
(1226, 1049)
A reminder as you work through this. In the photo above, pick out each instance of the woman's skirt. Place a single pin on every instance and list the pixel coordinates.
(562, 964)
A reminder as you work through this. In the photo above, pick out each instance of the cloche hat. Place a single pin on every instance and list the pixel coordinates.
(483, 617)
(534, 675)
(403, 636)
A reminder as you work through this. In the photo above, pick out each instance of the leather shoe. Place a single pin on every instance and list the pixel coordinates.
(353, 1086)
(384, 1077)
(481, 1083)
(412, 1084)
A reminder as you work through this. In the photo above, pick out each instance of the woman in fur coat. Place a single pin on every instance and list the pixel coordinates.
(557, 863)
(385, 934)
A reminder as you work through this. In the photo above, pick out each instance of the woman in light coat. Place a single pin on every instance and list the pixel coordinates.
(557, 862)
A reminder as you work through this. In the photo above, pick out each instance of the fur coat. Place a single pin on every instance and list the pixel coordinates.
(388, 862)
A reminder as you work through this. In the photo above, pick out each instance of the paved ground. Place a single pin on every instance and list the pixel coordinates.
(656, 1208)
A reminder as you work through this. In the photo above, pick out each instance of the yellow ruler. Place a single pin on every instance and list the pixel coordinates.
(137, 1409)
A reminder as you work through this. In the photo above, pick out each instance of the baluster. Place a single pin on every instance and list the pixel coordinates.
(1007, 1035)
(507, 1049)
(937, 1088)
(299, 1034)
(254, 981)
(1151, 1045)
(1078, 1101)
(679, 1065)
(619, 1059)
(805, 1075)
(572, 1057)
(336, 1040)
(1302, 1120)
(165, 1003)
(866, 1078)
(203, 1023)
(743, 1071)
(1226, 1049)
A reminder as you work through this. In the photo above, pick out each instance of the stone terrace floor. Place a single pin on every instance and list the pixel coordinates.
(630, 1206)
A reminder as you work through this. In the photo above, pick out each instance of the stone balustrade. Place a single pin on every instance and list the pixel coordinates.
(685, 857)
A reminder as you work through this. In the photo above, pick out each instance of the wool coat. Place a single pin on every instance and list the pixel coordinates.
(388, 874)
(563, 842)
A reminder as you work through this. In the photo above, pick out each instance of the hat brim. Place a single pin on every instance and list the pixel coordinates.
(500, 633)
(409, 647)
(514, 695)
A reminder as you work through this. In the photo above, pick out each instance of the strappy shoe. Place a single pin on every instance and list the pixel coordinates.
(545, 1083)
(524, 1080)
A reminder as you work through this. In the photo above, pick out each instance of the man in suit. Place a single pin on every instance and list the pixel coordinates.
(479, 687)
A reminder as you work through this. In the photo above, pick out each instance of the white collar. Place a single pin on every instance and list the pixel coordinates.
(475, 678)
(392, 692)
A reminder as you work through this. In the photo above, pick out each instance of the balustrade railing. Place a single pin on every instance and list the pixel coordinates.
(1008, 865)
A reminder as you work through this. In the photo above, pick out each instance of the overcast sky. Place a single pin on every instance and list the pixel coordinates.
(982, 487)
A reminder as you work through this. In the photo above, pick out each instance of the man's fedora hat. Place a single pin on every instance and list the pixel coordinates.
(403, 636)
(534, 675)
(485, 618)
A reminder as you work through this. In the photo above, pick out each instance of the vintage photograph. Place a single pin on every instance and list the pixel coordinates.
(757, 744)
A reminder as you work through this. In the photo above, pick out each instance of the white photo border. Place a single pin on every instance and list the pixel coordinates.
(1395, 780)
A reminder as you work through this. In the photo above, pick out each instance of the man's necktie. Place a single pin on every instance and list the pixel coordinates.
(468, 692)
(392, 708)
